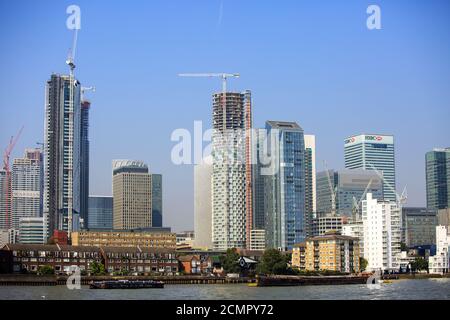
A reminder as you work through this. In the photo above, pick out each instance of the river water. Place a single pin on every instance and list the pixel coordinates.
(401, 289)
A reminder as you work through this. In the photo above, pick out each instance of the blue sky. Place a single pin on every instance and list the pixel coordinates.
(313, 62)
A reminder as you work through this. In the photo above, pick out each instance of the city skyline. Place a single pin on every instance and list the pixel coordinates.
(410, 162)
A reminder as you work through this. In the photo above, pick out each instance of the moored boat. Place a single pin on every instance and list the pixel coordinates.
(126, 284)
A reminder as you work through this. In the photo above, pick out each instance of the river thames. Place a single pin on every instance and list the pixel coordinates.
(429, 289)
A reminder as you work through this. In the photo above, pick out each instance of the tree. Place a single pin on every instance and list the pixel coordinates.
(403, 247)
(274, 262)
(230, 261)
(419, 264)
(97, 269)
(45, 270)
(363, 263)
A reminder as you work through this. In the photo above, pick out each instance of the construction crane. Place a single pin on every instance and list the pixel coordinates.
(224, 77)
(332, 190)
(84, 89)
(7, 169)
(71, 57)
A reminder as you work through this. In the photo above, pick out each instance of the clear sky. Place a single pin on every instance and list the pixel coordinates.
(314, 62)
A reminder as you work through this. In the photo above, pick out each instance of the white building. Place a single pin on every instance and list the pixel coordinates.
(229, 215)
(439, 263)
(203, 204)
(27, 186)
(31, 231)
(258, 239)
(380, 233)
(355, 229)
(8, 236)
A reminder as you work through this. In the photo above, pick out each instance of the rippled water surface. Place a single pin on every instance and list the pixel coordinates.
(402, 289)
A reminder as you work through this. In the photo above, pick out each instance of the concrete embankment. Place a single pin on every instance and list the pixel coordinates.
(35, 280)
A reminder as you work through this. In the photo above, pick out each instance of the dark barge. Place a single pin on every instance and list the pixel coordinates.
(126, 284)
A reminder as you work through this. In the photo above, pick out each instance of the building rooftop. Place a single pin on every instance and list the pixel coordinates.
(283, 124)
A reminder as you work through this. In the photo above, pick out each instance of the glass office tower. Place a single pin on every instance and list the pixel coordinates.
(373, 152)
(157, 200)
(100, 212)
(285, 187)
(438, 178)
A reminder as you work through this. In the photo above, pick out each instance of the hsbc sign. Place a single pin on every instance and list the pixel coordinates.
(374, 138)
(369, 138)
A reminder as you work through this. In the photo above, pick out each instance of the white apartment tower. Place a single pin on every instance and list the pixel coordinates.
(381, 233)
(229, 170)
(203, 204)
(27, 186)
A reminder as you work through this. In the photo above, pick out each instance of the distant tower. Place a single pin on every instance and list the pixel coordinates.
(132, 195)
(438, 178)
(27, 186)
(157, 201)
(84, 163)
(202, 204)
(373, 152)
(310, 182)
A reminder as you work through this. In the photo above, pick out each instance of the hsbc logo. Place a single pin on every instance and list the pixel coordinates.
(374, 138)
(351, 140)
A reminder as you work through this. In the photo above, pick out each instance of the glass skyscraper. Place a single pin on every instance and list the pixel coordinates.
(285, 186)
(438, 178)
(62, 165)
(84, 162)
(100, 212)
(373, 152)
(349, 187)
(157, 200)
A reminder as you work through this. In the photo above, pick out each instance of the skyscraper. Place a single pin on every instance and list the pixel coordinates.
(203, 204)
(157, 200)
(4, 223)
(285, 188)
(84, 163)
(27, 186)
(259, 178)
(381, 233)
(438, 178)
(132, 192)
(349, 188)
(310, 182)
(62, 163)
(229, 171)
(373, 152)
(100, 212)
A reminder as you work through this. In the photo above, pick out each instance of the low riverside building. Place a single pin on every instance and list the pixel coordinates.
(23, 258)
(332, 252)
(298, 256)
(145, 238)
(193, 264)
(440, 263)
(137, 260)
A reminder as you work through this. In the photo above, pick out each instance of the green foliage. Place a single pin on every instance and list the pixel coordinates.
(403, 247)
(122, 272)
(274, 262)
(97, 269)
(230, 261)
(363, 263)
(45, 270)
(419, 264)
